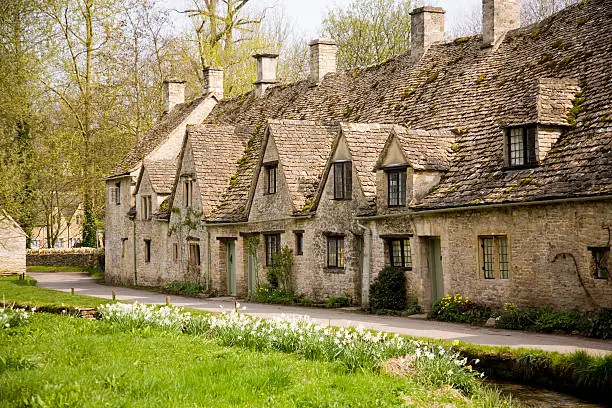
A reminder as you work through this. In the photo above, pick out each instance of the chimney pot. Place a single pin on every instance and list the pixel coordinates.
(174, 93)
(267, 65)
(499, 17)
(213, 81)
(323, 58)
(427, 27)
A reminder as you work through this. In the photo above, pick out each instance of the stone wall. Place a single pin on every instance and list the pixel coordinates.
(549, 257)
(85, 257)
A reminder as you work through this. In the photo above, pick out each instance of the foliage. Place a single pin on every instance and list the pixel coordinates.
(388, 291)
(279, 273)
(369, 31)
(591, 324)
(11, 317)
(266, 294)
(184, 288)
(459, 309)
(57, 361)
(338, 301)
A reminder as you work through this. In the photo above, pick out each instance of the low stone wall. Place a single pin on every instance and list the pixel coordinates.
(85, 257)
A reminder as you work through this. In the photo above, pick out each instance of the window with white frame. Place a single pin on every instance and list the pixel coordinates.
(494, 258)
(521, 146)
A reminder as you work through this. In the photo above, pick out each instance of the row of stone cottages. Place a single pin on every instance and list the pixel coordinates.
(481, 166)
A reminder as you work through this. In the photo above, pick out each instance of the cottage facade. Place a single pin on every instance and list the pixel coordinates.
(481, 166)
(12, 246)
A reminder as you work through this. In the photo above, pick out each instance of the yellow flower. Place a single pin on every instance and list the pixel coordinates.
(456, 342)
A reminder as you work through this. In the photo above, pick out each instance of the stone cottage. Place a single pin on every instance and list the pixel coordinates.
(12, 246)
(480, 166)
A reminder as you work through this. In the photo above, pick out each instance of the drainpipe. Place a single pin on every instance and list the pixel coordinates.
(208, 259)
(365, 267)
(134, 252)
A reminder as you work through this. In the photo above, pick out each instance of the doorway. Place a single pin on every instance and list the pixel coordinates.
(434, 260)
(231, 268)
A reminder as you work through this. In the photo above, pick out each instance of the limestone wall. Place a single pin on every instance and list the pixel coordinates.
(12, 246)
(85, 257)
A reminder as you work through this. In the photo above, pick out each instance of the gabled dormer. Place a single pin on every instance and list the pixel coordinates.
(411, 164)
(293, 160)
(154, 185)
(528, 140)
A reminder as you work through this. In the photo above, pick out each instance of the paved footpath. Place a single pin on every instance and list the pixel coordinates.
(85, 285)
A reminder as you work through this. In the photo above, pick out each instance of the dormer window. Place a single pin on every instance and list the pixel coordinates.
(522, 146)
(147, 207)
(343, 180)
(188, 192)
(396, 187)
(271, 177)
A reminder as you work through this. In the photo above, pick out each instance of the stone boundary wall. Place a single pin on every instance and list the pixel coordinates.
(85, 257)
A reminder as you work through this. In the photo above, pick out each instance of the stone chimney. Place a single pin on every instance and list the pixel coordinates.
(266, 72)
(213, 82)
(322, 58)
(174, 93)
(427, 27)
(499, 17)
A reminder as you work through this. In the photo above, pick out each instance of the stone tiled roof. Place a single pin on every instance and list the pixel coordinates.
(303, 150)
(426, 149)
(161, 174)
(233, 204)
(554, 100)
(216, 150)
(476, 91)
(366, 142)
(156, 135)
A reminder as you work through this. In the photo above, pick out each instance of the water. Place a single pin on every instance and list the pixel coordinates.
(540, 397)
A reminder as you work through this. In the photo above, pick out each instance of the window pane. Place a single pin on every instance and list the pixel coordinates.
(402, 188)
(488, 258)
(600, 257)
(272, 178)
(340, 246)
(516, 147)
(332, 252)
(348, 180)
(396, 253)
(339, 180)
(393, 188)
(407, 254)
(502, 247)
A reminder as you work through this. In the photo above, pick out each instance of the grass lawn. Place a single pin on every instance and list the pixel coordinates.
(24, 293)
(61, 361)
(88, 269)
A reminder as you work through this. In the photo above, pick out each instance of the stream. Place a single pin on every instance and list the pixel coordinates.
(540, 397)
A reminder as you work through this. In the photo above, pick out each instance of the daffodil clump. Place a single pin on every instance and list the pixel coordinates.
(10, 317)
(458, 308)
(356, 348)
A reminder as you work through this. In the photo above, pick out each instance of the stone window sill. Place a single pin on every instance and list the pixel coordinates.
(335, 269)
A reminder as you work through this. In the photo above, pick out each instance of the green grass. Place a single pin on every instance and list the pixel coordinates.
(61, 361)
(95, 272)
(23, 293)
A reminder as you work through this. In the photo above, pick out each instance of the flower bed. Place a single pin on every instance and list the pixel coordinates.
(356, 348)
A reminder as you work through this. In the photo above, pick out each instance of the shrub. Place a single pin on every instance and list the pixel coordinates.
(10, 317)
(338, 301)
(267, 294)
(459, 309)
(388, 291)
(592, 324)
(279, 273)
(184, 288)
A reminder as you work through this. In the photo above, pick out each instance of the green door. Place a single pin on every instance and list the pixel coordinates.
(435, 269)
(231, 268)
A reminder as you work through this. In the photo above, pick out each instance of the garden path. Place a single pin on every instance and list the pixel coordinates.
(86, 285)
